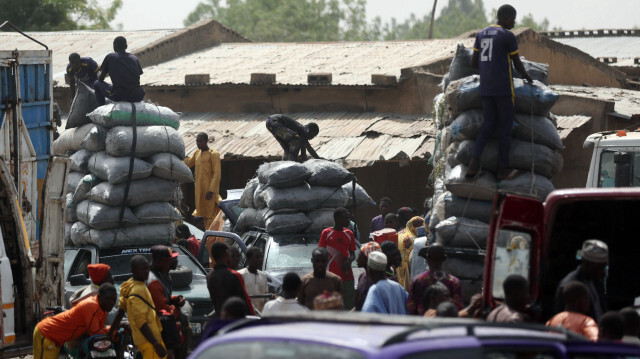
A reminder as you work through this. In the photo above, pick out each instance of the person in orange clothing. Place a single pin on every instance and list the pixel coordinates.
(207, 178)
(574, 318)
(87, 317)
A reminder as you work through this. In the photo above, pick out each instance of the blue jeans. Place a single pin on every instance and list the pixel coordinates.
(104, 89)
(500, 112)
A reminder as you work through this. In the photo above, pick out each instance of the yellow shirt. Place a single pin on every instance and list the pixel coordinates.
(138, 312)
(207, 179)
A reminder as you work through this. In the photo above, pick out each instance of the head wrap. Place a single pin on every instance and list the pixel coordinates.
(370, 247)
(595, 251)
(97, 272)
(377, 261)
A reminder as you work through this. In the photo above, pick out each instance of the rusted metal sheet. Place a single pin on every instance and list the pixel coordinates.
(343, 136)
(95, 44)
(350, 63)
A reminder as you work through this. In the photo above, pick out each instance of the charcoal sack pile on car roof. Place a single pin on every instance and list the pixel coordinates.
(126, 165)
(287, 197)
(462, 207)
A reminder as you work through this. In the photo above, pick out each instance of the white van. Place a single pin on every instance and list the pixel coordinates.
(7, 299)
(614, 151)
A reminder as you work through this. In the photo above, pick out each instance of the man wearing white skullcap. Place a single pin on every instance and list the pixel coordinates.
(385, 296)
(591, 272)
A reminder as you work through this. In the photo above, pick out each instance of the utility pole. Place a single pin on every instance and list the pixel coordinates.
(433, 16)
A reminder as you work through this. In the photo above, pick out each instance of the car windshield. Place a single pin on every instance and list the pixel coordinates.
(290, 252)
(607, 175)
(119, 260)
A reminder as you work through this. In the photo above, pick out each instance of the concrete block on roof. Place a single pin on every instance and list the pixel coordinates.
(383, 80)
(322, 78)
(196, 79)
(263, 79)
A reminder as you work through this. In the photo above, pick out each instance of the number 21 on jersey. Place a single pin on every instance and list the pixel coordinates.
(487, 49)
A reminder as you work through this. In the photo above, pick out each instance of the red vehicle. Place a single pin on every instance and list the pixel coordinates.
(541, 241)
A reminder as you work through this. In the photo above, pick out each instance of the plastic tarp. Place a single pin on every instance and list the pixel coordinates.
(326, 173)
(283, 174)
(142, 235)
(168, 166)
(116, 169)
(150, 140)
(246, 200)
(156, 212)
(305, 197)
(522, 155)
(536, 98)
(287, 223)
(141, 191)
(100, 216)
(462, 233)
(147, 114)
(480, 188)
(84, 101)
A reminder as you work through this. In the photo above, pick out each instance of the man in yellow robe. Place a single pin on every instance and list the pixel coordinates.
(207, 164)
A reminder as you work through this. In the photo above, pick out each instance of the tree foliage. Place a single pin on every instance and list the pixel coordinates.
(56, 15)
(288, 20)
(337, 20)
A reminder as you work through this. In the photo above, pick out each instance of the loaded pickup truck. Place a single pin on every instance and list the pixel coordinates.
(541, 242)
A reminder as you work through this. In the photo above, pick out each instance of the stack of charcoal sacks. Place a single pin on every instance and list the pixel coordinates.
(462, 207)
(122, 188)
(288, 197)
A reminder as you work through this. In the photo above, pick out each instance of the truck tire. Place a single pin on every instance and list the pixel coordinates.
(181, 277)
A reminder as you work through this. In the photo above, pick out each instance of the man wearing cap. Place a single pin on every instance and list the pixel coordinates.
(591, 272)
(99, 273)
(385, 296)
(435, 256)
(364, 281)
(159, 283)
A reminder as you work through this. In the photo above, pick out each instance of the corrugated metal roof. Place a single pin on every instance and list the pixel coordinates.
(566, 124)
(95, 44)
(364, 139)
(605, 46)
(350, 63)
(627, 102)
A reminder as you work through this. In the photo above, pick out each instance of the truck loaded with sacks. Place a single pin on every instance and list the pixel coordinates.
(462, 207)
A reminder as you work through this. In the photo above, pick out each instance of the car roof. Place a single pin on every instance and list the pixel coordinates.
(375, 330)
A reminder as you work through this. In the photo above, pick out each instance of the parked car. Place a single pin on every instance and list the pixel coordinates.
(329, 335)
(189, 280)
(282, 253)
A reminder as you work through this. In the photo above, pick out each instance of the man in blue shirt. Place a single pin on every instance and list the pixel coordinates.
(494, 50)
(385, 296)
(124, 70)
(83, 69)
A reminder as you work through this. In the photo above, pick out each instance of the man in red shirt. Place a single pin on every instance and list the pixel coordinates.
(159, 284)
(87, 317)
(341, 245)
(186, 239)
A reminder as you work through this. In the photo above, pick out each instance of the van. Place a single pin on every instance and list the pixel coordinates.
(541, 241)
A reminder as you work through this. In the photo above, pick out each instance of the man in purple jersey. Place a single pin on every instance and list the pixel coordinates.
(493, 52)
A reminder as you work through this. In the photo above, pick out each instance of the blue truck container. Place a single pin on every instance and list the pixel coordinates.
(26, 127)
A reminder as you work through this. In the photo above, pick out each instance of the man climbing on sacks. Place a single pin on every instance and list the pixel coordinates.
(207, 164)
(292, 136)
(124, 70)
(494, 50)
(83, 69)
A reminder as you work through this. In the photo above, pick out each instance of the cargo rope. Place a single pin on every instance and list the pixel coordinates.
(132, 158)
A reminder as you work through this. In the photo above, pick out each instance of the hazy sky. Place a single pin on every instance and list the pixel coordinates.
(568, 14)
